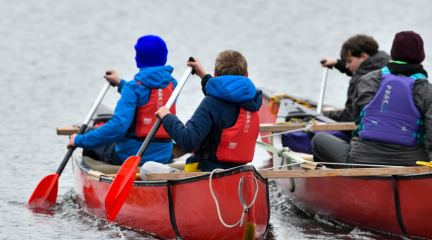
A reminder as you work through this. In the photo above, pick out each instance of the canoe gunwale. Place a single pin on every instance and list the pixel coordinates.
(232, 171)
(398, 177)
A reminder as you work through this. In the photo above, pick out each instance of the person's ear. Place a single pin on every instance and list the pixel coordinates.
(214, 74)
(247, 74)
(364, 55)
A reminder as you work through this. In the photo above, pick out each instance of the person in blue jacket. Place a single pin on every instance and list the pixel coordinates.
(117, 140)
(224, 128)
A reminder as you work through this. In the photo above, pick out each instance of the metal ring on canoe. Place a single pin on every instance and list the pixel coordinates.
(245, 207)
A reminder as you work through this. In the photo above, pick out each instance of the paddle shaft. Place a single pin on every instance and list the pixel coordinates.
(122, 184)
(45, 194)
(170, 102)
(84, 125)
(322, 93)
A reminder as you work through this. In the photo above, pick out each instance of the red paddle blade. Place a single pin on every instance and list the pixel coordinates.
(120, 187)
(45, 194)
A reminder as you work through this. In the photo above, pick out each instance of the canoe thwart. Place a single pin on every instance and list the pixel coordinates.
(265, 127)
(67, 130)
(95, 175)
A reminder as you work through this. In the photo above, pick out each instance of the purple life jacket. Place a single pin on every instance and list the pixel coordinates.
(391, 116)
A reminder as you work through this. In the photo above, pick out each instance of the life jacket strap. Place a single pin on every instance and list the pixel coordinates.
(386, 70)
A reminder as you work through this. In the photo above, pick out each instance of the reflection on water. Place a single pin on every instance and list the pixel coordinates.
(53, 55)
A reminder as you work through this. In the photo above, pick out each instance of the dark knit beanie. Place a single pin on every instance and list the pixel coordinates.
(407, 47)
(151, 51)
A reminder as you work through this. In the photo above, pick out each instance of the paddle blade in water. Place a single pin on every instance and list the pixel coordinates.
(120, 187)
(45, 194)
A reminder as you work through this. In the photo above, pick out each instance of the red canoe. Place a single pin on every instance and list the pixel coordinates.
(181, 208)
(399, 205)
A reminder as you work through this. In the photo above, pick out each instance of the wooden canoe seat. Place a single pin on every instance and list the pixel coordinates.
(103, 167)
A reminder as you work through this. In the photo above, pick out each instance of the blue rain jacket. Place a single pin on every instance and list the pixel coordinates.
(132, 97)
(219, 109)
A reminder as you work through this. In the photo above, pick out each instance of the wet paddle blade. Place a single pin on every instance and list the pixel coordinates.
(45, 194)
(120, 187)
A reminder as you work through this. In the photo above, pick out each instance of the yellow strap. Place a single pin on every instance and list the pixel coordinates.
(249, 231)
(192, 167)
(427, 164)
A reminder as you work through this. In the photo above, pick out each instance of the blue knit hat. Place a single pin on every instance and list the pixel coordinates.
(151, 51)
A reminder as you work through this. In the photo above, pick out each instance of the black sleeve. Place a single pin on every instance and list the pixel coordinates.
(340, 65)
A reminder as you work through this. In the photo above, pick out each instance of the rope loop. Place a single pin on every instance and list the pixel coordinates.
(245, 207)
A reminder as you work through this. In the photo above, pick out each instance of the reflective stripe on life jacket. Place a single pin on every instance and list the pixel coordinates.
(235, 144)
(145, 115)
(391, 116)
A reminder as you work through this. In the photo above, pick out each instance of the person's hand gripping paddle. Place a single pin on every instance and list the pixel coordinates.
(45, 194)
(123, 182)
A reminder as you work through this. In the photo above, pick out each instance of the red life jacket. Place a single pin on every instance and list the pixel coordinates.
(145, 115)
(235, 144)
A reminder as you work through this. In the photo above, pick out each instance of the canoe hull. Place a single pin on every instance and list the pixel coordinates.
(193, 210)
(367, 202)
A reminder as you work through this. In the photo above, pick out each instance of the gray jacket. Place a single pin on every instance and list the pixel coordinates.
(372, 63)
(391, 154)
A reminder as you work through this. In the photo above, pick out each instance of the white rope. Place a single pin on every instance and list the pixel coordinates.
(245, 207)
(307, 127)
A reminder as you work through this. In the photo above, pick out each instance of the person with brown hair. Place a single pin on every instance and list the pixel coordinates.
(394, 110)
(359, 55)
(224, 128)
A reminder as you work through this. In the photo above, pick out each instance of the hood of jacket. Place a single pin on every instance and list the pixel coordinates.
(372, 63)
(235, 89)
(155, 77)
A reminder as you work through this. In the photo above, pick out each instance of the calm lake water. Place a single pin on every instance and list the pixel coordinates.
(53, 55)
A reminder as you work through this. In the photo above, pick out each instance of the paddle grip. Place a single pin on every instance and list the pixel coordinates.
(111, 84)
(324, 61)
(191, 59)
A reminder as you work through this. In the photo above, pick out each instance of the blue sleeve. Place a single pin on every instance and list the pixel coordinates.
(115, 128)
(120, 87)
(190, 135)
